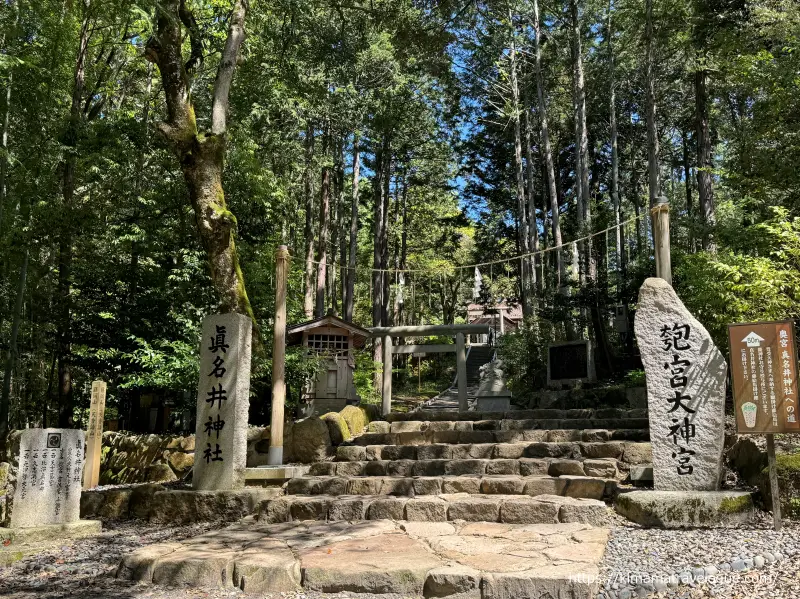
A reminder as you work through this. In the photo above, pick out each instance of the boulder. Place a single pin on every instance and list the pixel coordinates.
(337, 427)
(356, 419)
(160, 473)
(181, 462)
(311, 441)
(748, 459)
(788, 467)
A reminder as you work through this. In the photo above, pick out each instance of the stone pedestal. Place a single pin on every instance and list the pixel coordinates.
(686, 377)
(49, 478)
(222, 403)
(686, 509)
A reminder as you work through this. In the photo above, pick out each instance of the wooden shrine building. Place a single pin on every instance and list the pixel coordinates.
(336, 339)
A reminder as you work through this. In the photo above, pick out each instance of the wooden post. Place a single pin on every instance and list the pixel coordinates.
(386, 393)
(275, 456)
(661, 243)
(773, 481)
(94, 436)
(461, 370)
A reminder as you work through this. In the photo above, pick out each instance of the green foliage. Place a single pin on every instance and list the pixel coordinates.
(758, 279)
(524, 354)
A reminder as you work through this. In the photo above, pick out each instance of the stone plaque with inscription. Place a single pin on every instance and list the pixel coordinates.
(222, 403)
(49, 477)
(686, 376)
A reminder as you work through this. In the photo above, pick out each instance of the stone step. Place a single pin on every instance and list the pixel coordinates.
(512, 509)
(537, 414)
(567, 486)
(418, 433)
(458, 559)
(596, 468)
(627, 452)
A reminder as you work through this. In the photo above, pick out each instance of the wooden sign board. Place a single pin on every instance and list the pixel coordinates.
(764, 374)
(94, 436)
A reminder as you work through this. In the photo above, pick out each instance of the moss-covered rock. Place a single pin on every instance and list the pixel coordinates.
(356, 419)
(160, 473)
(371, 411)
(337, 427)
(788, 468)
(311, 441)
(4, 468)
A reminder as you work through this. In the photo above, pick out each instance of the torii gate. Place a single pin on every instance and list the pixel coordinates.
(428, 330)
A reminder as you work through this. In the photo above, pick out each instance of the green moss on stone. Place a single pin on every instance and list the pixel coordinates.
(735, 505)
(356, 419)
(337, 427)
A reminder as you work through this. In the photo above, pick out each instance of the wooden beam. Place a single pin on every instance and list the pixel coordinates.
(429, 330)
(386, 399)
(461, 370)
(433, 348)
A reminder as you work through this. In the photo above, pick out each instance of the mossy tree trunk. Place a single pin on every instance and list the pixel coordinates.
(202, 153)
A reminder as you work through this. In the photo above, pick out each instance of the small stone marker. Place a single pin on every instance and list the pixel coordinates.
(686, 377)
(49, 478)
(222, 403)
(94, 436)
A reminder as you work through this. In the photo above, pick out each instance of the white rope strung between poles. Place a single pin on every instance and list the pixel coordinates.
(501, 260)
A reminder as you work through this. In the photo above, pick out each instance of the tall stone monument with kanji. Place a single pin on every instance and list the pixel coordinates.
(686, 376)
(222, 403)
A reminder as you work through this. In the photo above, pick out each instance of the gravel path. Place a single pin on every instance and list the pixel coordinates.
(752, 561)
(636, 558)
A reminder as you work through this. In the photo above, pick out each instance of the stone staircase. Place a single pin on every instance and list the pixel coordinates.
(477, 357)
(526, 466)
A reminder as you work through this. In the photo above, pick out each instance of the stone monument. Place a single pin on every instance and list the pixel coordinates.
(686, 376)
(47, 499)
(222, 403)
(94, 436)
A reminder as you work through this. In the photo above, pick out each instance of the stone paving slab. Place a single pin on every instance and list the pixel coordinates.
(478, 560)
(513, 509)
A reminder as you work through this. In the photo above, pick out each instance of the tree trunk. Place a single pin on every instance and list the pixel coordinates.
(5, 398)
(687, 183)
(588, 267)
(322, 250)
(352, 258)
(65, 241)
(548, 157)
(533, 225)
(612, 102)
(654, 189)
(377, 255)
(387, 177)
(705, 186)
(308, 231)
(522, 230)
(202, 154)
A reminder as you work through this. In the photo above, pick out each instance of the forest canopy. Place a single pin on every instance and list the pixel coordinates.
(154, 154)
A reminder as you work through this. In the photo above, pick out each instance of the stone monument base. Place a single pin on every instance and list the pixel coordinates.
(494, 404)
(686, 509)
(37, 534)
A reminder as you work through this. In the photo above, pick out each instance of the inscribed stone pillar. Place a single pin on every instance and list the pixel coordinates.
(49, 477)
(222, 403)
(94, 435)
(686, 377)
